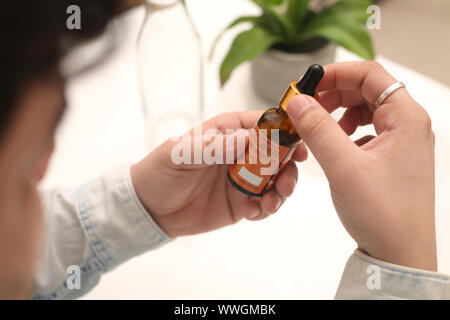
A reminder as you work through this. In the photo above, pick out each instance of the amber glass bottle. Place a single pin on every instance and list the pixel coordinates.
(246, 175)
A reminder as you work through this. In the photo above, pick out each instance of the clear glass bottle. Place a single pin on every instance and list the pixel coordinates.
(170, 63)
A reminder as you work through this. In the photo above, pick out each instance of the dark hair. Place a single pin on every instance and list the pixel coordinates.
(34, 38)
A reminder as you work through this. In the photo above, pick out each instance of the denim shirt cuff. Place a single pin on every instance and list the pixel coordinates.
(365, 277)
(114, 220)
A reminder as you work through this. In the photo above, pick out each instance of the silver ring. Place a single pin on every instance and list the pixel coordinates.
(388, 92)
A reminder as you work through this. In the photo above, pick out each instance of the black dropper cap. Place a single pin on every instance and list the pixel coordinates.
(310, 81)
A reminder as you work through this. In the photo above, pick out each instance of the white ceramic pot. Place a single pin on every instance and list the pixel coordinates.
(272, 71)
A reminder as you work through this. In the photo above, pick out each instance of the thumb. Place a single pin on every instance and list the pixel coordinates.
(329, 144)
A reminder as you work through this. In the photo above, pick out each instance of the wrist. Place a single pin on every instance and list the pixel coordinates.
(423, 257)
(141, 178)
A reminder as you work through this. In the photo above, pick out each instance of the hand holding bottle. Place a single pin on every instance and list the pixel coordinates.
(382, 187)
(194, 198)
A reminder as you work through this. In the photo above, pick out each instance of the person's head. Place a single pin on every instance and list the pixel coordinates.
(34, 39)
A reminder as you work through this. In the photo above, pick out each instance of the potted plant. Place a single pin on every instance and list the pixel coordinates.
(290, 35)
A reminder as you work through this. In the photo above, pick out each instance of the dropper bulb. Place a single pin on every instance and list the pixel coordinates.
(310, 81)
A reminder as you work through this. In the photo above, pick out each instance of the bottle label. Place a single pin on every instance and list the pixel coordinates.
(257, 169)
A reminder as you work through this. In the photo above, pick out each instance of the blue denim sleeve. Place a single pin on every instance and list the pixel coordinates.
(369, 278)
(90, 231)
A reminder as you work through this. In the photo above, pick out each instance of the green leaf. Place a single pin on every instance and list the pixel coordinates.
(296, 12)
(273, 2)
(354, 10)
(344, 24)
(348, 35)
(274, 14)
(231, 25)
(246, 46)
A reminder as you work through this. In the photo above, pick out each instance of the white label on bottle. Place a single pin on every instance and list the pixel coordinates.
(250, 177)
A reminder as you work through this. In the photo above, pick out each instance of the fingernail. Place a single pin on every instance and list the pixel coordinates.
(292, 183)
(278, 204)
(255, 214)
(297, 105)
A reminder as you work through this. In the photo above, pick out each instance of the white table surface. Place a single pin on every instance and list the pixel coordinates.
(298, 253)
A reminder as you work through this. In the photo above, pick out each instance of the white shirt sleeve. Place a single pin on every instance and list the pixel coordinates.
(95, 228)
(368, 278)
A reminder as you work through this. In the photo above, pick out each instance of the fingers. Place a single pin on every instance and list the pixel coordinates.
(201, 148)
(322, 134)
(252, 210)
(368, 77)
(271, 201)
(398, 111)
(355, 117)
(287, 180)
(219, 140)
(233, 120)
(362, 141)
(268, 204)
(300, 153)
(335, 98)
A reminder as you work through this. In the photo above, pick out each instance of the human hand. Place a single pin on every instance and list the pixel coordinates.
(382, 187)
(193, 198)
